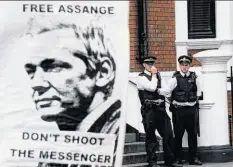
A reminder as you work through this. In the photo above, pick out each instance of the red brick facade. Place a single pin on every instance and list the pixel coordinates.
(195, 63)
(229, 103)
(161, 21)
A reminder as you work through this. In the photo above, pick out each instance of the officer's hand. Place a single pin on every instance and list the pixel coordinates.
(153, 70)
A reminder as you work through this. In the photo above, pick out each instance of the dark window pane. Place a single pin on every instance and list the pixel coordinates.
(201, 19)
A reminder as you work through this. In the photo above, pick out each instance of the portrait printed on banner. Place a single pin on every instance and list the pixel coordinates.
(72, 73)
(71, 70)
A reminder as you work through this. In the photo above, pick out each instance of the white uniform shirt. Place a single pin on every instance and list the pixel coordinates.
(172, 85)
(144, 84)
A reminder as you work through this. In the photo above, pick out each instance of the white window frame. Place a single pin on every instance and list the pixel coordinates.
(224, 30)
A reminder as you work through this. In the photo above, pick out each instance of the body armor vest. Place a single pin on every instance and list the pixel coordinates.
(147, 95)
(186, 89)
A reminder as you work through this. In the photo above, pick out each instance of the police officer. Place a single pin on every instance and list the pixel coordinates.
(151, 93)
(184, 91)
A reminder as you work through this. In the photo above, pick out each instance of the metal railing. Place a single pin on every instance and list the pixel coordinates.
(230, 128)
(230, 121)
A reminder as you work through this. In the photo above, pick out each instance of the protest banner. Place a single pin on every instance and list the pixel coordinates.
(63, 83)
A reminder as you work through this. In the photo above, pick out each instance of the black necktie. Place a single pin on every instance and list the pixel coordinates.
(185, 76)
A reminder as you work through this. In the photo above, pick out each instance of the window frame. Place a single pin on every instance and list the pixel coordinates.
(208, 29)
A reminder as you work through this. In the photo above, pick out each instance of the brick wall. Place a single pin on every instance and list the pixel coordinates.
(195, 62)
(229, 102)
(161, 21)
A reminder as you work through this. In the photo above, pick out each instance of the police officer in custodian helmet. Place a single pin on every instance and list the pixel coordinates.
(184, 92)
(151, 90)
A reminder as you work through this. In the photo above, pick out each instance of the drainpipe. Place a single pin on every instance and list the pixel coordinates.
(142, 29)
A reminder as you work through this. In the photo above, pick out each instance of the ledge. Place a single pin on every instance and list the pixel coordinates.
(205, 104)
(204, 43)
(213, 71)
(213, 57)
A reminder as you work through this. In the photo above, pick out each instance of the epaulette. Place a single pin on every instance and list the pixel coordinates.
(175, 74)
(193, 74)
(144, 75)
(141, 74)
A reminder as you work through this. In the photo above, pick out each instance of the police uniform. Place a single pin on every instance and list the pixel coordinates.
(151, 93)
(185, 90)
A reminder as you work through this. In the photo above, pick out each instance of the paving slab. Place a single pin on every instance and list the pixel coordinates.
(227, 164)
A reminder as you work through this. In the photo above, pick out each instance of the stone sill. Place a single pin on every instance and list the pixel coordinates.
(205, 104)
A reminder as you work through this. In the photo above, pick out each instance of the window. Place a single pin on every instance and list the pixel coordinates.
(201, 19)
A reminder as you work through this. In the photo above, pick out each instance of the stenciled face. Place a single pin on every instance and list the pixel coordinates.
(58, 77)
(184, 67)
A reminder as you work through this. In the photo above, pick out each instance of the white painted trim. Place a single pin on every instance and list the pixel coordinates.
(223, 40)
(223, 19)
(205, 104)
(181, 20)
(181, 24)
(214, 72)
(203, 43)
(214, 64)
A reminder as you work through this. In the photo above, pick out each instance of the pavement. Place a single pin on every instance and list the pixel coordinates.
(227, 164)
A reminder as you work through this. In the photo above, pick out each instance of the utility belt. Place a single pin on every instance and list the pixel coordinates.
(151, 104)
(176, 106)
(159, 102)
(179, 106)
(196, 106)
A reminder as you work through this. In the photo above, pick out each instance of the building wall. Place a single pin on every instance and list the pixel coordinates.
(161, 21)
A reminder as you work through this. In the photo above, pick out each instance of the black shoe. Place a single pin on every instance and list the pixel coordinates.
(172, 165)
(154, 165)
(180, 162)
(195, 162)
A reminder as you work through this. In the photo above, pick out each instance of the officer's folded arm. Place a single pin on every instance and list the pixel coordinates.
(166, 89)
(146, 84)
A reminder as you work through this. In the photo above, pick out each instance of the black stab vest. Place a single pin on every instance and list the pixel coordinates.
(147, 95)
(186, 89)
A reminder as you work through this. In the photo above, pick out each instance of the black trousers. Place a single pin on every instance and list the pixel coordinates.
(156, 118)
(184, 118)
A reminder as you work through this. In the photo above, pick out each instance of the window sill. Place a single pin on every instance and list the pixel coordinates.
(203, 43)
